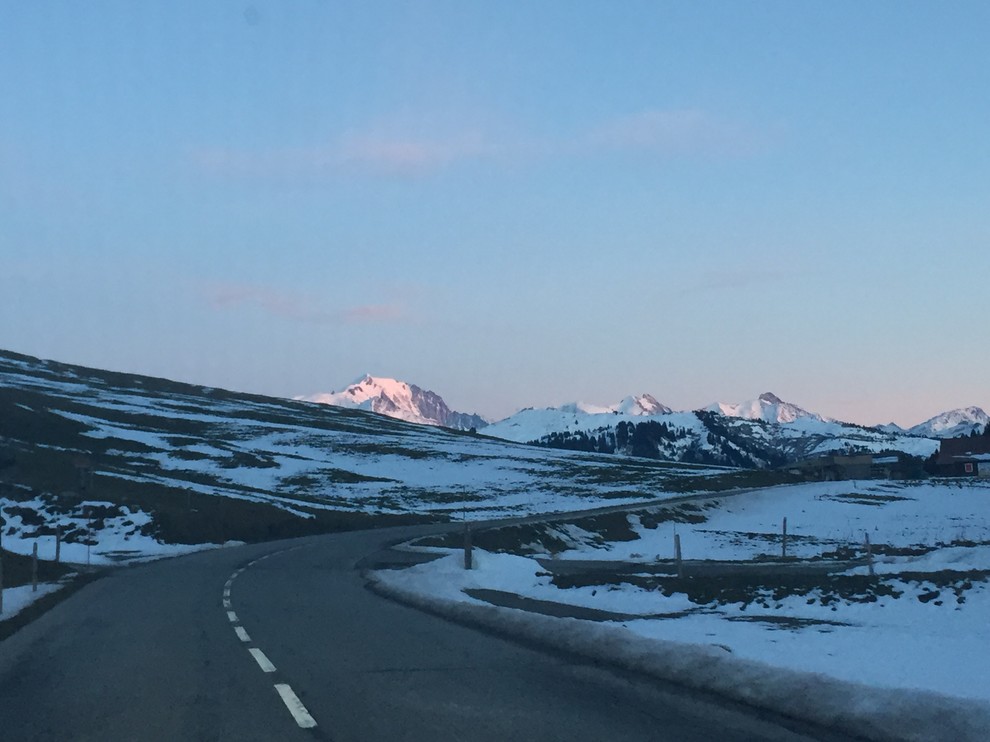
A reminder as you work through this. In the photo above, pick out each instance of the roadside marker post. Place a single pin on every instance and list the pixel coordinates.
(2, 523)
(34, 568)
(468, 556)
(677, 554)
(783, 542)
(89, 534)
(58, 543)
(869, 554)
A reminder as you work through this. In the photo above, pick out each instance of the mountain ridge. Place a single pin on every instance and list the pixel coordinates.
(412, 403)
(953, 423)
(768, 407)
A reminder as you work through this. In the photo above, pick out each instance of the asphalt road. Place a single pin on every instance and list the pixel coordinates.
(220, 645)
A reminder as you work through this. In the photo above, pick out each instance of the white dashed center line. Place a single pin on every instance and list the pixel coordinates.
(295, 706)
(299, 712)
(263, 662)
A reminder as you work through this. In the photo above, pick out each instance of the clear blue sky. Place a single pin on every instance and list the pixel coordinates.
(513, 204)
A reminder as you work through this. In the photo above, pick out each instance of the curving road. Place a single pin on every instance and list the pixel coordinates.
(282, 641)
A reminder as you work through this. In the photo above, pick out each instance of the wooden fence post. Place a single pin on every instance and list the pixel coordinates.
(677, 554)
(468, 560)
(783, 542)
(2, 524)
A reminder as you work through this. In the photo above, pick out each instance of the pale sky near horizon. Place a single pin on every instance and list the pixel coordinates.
(512, 204)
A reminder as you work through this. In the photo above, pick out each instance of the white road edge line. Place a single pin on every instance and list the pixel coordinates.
(242, 634)
(295, 706)
(263, 662)
(226, 603)
(231, 616)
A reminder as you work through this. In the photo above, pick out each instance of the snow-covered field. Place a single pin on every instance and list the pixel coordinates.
(920, 624)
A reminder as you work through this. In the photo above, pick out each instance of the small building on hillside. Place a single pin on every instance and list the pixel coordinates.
(964, 457)
(832, 467)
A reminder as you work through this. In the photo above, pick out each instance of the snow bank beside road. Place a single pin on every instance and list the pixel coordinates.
(16, 599)
(854, 708)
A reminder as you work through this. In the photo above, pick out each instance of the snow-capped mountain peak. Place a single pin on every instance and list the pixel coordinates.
(951, 424)
(644, 404)
(892, 428)
(400, 400)
(370, 387)
(768, 407)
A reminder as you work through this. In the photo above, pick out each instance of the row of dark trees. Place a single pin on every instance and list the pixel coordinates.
(727, 445)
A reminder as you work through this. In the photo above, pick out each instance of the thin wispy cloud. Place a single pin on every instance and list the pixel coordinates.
(232, 296)
(373, 313)
(671, 132)
(410, 155)
(741, 278)
(371, 154)
(416, 150)
(297, 307)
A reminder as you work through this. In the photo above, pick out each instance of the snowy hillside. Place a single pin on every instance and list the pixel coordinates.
(127, 463)
(953, 423)
(399, 400)
(532, 424)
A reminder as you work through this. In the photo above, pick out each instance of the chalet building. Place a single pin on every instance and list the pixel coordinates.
(859, 466)
(964, 457)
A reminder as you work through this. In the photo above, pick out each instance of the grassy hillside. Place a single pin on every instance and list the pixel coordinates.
(120, 459)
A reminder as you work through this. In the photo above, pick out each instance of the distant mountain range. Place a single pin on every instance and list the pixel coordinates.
(765, 431)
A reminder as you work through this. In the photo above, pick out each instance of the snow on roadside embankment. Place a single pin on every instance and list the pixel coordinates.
(93, 532)
(16, 599)
(859, 708)
(897, 656)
